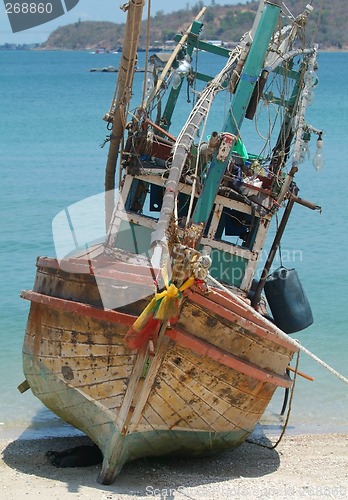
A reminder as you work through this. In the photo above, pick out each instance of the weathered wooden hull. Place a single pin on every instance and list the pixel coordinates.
(212, 375)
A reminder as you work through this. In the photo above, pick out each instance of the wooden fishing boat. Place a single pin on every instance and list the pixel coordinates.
(158, 340)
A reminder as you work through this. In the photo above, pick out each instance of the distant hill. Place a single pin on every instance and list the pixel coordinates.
(221, 22)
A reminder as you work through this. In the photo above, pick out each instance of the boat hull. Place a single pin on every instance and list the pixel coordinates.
(205, 387)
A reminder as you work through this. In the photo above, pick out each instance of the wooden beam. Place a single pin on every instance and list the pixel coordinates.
(203, 348)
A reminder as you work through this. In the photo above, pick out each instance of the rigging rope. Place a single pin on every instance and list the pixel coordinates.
(273, 446)
(193, 192)
(280, 333)
(147, 52)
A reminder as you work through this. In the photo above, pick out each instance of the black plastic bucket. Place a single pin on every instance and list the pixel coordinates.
(287, 301)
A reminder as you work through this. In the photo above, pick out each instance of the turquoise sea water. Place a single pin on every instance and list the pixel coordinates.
(51, 110)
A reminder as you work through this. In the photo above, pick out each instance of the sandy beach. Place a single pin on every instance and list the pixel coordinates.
(310, 466)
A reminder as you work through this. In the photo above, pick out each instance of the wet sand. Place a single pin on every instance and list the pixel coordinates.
(310, 466)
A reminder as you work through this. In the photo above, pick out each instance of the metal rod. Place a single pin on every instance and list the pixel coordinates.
(275, 245)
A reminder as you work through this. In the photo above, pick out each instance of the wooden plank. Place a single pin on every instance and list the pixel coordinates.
(23, 387)
(98, 391)
(84, 267)
(104, 373)
(102, 390)
(247, 419)
(50, 348)
(84, 338)
(188, 417)
(209, 379)
(195, 402)
(151, 418)
(78, 288)
(232, 416)
(233, 339)
(227, 384)
(193, 383)
(218, 393)
(131, 390)
(71, 350)
(63, 322)
(67, 333)
(164, 407)
(155, 362)
(98, 369)
(58, 395)
(112, 271)
(207, 350)
(239, 420)
(252, 324)
(112, 403)
(112, 335)
(79, 308)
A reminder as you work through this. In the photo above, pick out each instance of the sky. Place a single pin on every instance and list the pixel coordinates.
(86, 10)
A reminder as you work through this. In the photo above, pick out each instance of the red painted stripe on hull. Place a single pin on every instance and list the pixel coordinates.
(225, 311)
(207, 350)
(215, 302)
(114, 270)
(79, 308)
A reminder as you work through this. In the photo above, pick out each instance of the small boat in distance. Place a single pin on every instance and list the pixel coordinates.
(113, 69)
(163, 338)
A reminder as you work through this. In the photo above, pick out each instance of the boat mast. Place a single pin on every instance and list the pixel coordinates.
(267, 22)
(262, 31)
(123, 93)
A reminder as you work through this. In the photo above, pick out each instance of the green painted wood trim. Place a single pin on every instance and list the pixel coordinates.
(174, 93)
(252, 67)
(183, 443)
(213, 49)
(228, 268)
(251, 71)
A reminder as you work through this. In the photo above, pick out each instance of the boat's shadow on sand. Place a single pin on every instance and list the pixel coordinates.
(161, 476)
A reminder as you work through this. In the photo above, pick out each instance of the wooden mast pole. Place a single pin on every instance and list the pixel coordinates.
(172, 57)
(123, 93)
